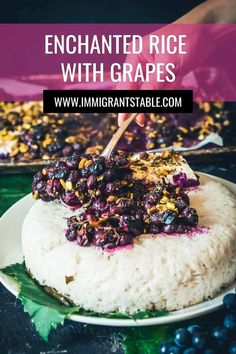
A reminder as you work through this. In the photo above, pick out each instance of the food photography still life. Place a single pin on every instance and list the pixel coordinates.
(118, 229)
(133, 239)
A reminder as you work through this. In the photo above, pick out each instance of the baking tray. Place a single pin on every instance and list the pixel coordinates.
(204, 155)
(207, 154)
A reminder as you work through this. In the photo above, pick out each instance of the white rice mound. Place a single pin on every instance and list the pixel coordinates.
(161, 272)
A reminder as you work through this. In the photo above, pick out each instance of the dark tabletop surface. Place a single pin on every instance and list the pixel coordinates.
(94, 11)
(17, 334)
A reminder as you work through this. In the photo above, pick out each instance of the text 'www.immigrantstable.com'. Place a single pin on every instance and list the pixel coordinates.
(68, 101)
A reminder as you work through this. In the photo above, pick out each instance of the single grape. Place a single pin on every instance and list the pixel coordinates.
(229, 302)
(53, 187)
(169, 217)
(110, 187)
(230, 322)
(209, 351)
(72, 161)
(85, 172)
(71, 234)
(156, 218)
(61, 173)
(40, 186)
(67, 151)
(38, 177)
(97, 168)
(73, 176)
(91, 182)
(125, 239)
(100, 205)
(78, 146)
(84, 239)
(182, 337)
(195, 329)
(199, 340)
(190, 217)
(169, 229)
(165, 347)
(232, 347)
(190, 351)
(220, 335)
(174, 350)
(180, 204)
(99, 238)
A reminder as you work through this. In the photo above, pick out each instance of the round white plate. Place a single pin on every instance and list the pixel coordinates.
(11, 252)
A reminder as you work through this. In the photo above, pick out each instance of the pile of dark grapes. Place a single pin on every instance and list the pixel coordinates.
(195, 340)
(117, 207)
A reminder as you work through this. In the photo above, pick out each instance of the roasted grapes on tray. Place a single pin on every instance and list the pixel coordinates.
(26, 134)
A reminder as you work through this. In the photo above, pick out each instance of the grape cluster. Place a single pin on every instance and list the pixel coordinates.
(80, 178)
(117, 206)
(195, 340)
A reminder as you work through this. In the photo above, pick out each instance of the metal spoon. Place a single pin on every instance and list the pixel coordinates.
(116, 137)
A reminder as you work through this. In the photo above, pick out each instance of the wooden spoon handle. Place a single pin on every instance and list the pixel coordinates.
(118, 134)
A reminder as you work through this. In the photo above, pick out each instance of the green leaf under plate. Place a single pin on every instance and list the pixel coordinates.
(46, 312)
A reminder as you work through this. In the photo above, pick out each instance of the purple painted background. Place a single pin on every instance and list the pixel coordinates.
(208, 68)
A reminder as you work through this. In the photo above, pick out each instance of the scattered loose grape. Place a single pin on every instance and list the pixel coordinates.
(190, 351)
(230, 322)
(195, 329)
(221, 340)
(199, 340)
(182, 337)
(174, 350)
(220, 335)
(165, 347)
(209, 351)
(232, 347)
(229, 302)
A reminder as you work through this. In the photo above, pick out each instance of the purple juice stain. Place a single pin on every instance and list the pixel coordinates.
(183, 181)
